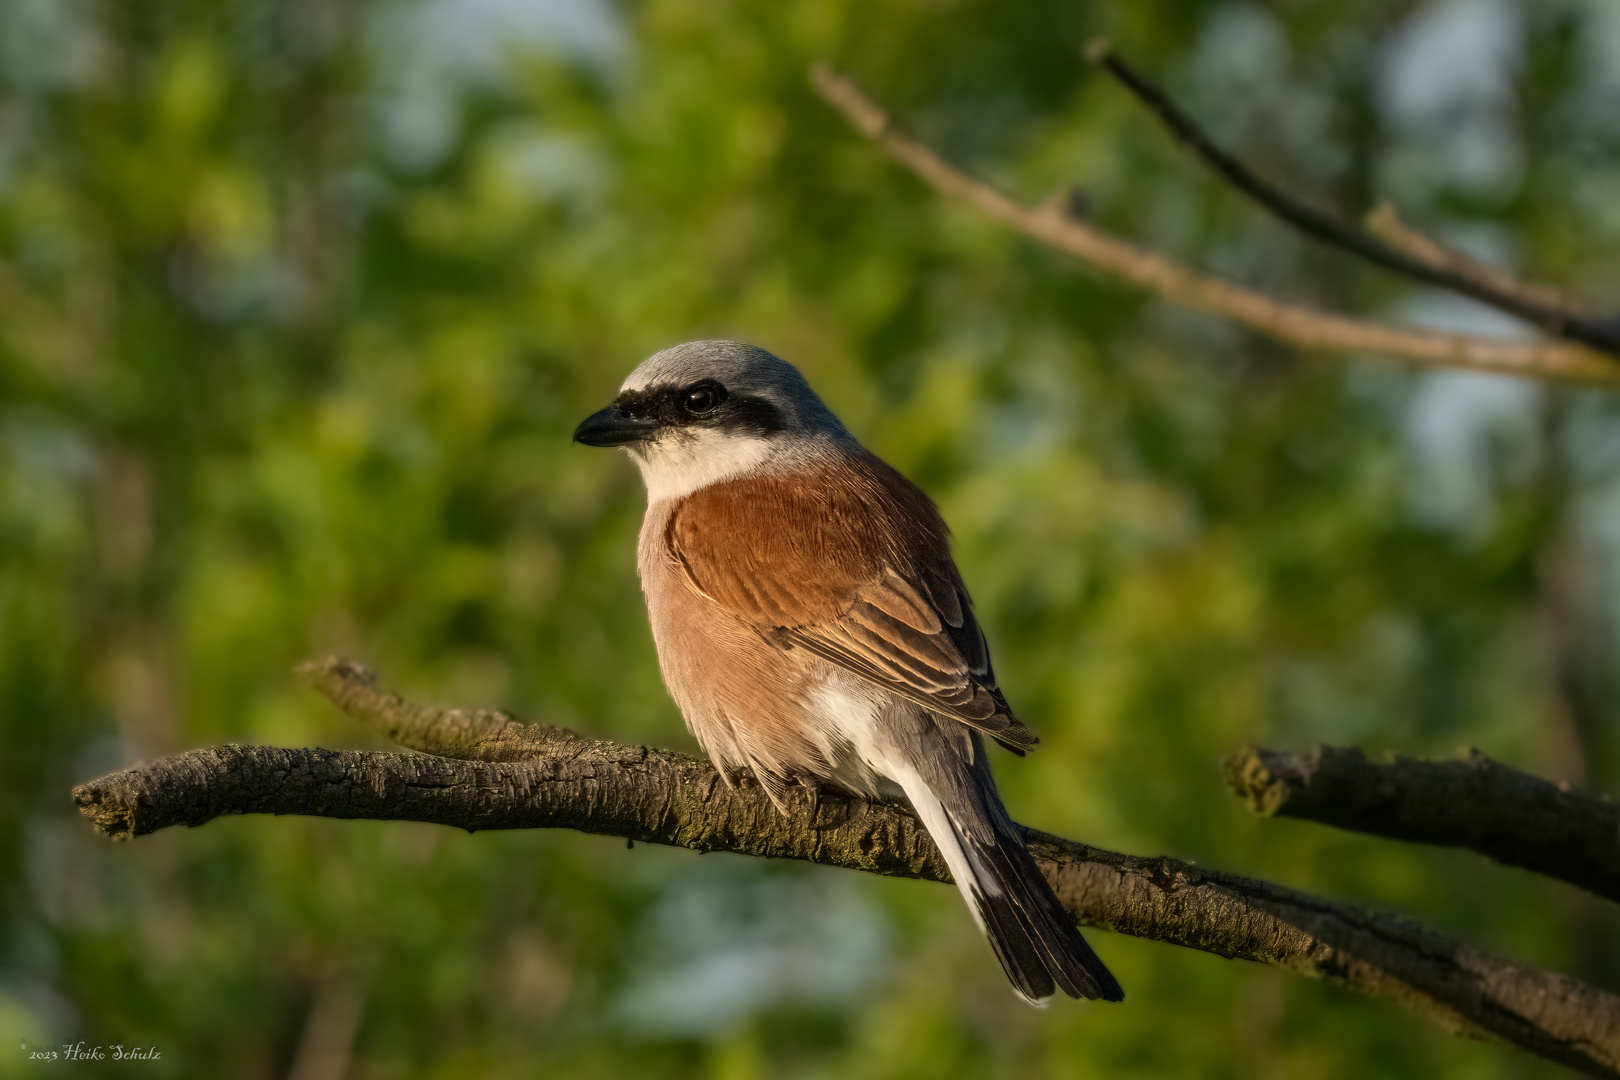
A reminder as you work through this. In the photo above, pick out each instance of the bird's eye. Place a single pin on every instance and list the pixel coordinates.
(702, 398)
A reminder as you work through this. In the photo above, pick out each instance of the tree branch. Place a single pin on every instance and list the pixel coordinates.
(497, 774)
(1477, 803)
(1300, 326)
(1383, 222)
(1433, 266)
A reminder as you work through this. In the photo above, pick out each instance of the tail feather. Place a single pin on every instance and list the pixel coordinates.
(1037, 942)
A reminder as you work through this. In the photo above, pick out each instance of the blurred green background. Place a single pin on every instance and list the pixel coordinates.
(300, 301)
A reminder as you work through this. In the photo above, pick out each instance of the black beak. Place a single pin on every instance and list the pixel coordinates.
(613, 427)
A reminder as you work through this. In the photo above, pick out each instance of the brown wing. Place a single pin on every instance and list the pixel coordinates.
(851, 563)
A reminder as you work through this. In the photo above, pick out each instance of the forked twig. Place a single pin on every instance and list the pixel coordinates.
(1429, 264)
(1301, 326)
(1383, 222)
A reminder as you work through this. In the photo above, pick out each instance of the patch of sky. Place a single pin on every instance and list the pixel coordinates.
(1599, 43)
(1456, 427)
(1243, 43)
(1244, 56)
(1444, 85)
(549, 164)
(1593, 105)
(429, 57)
(46, 44)
(734, 938)
(1461, 429)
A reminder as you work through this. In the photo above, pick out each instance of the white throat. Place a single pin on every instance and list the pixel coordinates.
(682, 461)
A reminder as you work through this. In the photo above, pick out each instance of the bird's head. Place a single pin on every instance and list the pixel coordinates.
(708, 411)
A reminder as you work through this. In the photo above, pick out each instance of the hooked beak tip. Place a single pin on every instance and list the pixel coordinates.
(613, 427)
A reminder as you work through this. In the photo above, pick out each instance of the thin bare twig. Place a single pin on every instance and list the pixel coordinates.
(503, 775)
(1296, 325)
(1477, 803)
(1433, 266)
(1383, 222)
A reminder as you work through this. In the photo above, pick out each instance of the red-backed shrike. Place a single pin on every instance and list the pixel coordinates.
(812, 626)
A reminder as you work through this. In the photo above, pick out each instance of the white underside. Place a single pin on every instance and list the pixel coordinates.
(852, 710)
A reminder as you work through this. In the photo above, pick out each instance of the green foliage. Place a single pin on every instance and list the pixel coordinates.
(299, 303)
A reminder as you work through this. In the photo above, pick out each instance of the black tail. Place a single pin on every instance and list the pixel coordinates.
(949, 784)
(1036, 941)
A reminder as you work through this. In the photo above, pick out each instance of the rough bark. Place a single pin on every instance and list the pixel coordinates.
(482, 770)
(1476, 802)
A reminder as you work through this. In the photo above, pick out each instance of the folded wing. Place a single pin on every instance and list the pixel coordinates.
(851, 563)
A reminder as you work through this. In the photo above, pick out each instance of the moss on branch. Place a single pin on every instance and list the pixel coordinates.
(483, 770)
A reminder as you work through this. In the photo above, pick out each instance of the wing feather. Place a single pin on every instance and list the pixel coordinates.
(942, 595)
(902, 601)
(852, 564)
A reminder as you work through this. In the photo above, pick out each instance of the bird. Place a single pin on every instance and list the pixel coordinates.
(813, 628)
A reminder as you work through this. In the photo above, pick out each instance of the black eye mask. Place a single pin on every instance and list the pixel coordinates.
(703, 404)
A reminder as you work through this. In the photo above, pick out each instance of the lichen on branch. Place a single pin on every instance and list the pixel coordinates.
(482, 770)
(1475, 802)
